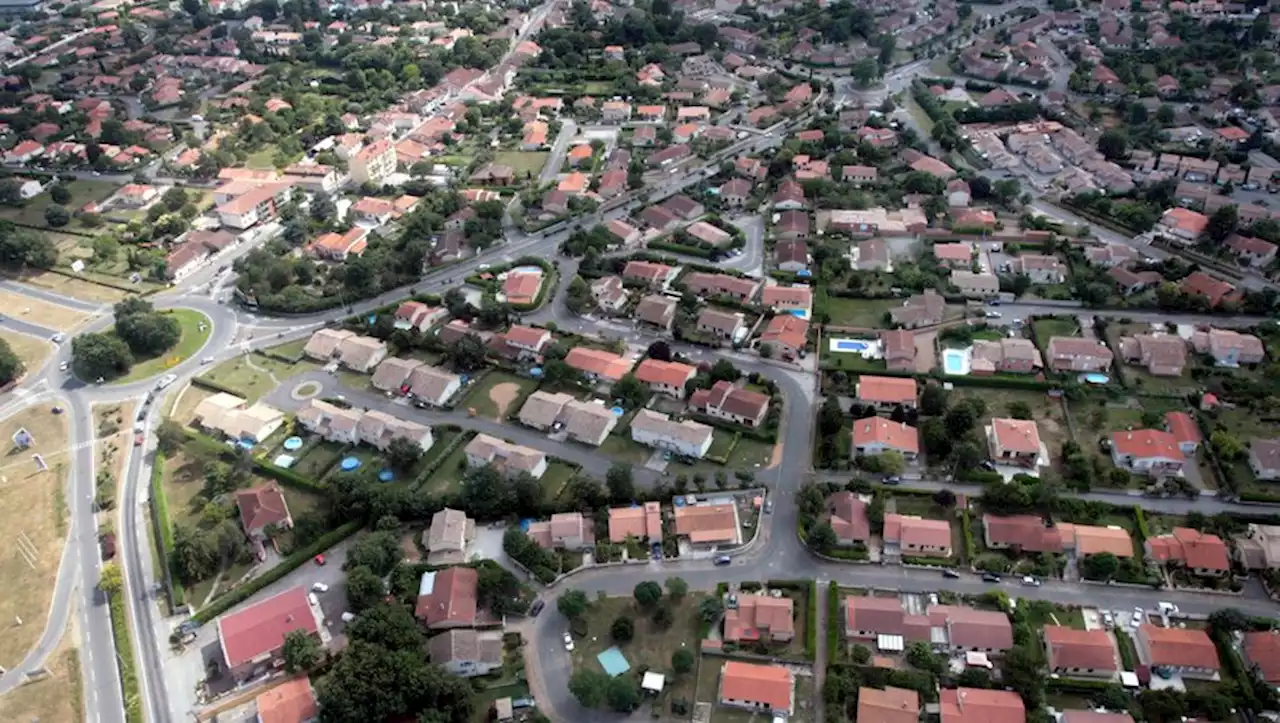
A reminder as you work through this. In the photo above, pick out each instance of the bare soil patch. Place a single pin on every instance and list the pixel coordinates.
(502, 395)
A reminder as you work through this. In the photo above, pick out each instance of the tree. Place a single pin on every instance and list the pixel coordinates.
(403, 454)
(60, 195)
(618, 480)
(56, 216)
(1222, 223)
(631, 391)
(379, 551)
(1020, 410)
(301, 651)
(861, 654)
(10, 365)
(623, 694)
(933, 400)
(648, 593)
(364, 589)
(1229, 620)
(945, 498)
(111, 579)
(370, 682)
(663, 616)
(922, 657)
(100, 355)
(710, 609)
(1113, 144)
(677, 588)
(682, 661)
(821, 536)
(623, 629)
(589, 687)
(572, 604)
(892, 462)
(467, 354)
(978, 678)
(1113, 697)
(174, 199)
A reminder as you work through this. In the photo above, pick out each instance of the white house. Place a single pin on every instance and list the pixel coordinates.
(687, 438)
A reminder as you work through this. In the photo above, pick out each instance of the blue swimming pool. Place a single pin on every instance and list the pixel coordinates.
(850, 345)
(955, 361)
(1095, 378)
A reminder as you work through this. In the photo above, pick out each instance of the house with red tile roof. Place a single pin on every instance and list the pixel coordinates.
(1150, 452)
(885, 393)
(1183, 224)
(1262, 652)
(1214, 290)
(597, 364)
(891, 705)
(971, 630)
(796, 300)
(1093, 716)
(252, 639)
(876, 435)
(847, 515)
(757, 687)
(648, 273)
(1185, 431)
(447, 598)
(1200, 553)
(262, 506)
(664, 377)
(1189, 652)
(974, 705)
(642, 523)
(1014, 441)
(1081, 653)
(522, 287)
(731, 403)
(709, 524)
(290, 702)
(785, 335)
(417, 315)
(760, 617)
(914, 536)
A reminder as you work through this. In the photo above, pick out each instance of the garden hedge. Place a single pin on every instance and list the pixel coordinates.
(215, 386)
(835, 651)
(929, 561)
(124, 659)
(228, 600)
(164, 530)
(811, 627)
(680, 248)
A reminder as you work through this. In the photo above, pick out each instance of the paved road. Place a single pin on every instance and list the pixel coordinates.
(556, 159)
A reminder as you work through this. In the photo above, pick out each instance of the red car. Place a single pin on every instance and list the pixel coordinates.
(320, 559)
(137, 439)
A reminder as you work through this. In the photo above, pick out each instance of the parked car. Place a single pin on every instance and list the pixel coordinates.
(990, 577)
(320, 587)
(723, 560)
(949, 573)
(536, 608)
(319, 559)
(568, 642)
(1030, 581)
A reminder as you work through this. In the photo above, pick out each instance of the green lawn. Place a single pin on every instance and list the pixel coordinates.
(621, 448)
(317, 458)
(522, 162)
(479, 397)
(192, 340)
(251, 382)
(291, 350)
(721, 443)
(868, 313)
(262, 159)
(651, 647)
(448, 476)
(555, 478)
(82, 192)
(1049, 327)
